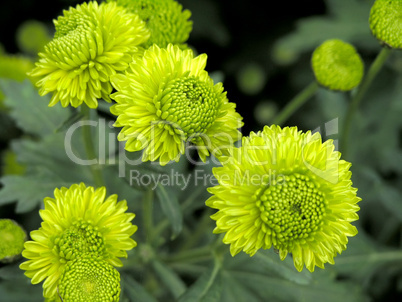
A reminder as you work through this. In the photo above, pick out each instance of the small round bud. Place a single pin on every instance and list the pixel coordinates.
(337, 65)
(12, 238)
(386, 22)
(32, 36)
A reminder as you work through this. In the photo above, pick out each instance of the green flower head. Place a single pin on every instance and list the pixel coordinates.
(165, 19)
(337, 65)
(166, 101)
(77, 222)
(12, 238)
(286, 189)
(386, 22)
(88, 279)
(92, 42)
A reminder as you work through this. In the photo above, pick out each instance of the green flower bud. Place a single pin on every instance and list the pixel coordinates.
(386, 22)
(32, 36)
(337, 65)
(12, 238)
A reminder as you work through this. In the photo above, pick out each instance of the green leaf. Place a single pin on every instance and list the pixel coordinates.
(285, 269)
(168, 277)
(171, 208)
(12, 272)
(74, 118)
(270, 288)
(30, 110)
(29, 190)
(134, 291)
(391, 198)
(207, 288)
(234, 291)
(11, 291)
(50, 154)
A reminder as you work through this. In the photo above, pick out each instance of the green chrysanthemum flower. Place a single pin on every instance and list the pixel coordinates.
(89, 280)
(91, 43)
(78, 221)
(337, 65)
(286, 189)
(12, 238)
(165, 19)
(166, 100)
(386, 22)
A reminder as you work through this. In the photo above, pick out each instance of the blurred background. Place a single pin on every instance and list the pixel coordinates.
(262, 54)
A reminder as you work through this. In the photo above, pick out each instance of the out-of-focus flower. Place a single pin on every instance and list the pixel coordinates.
(165, 19)
(12, 238)
(386, 22)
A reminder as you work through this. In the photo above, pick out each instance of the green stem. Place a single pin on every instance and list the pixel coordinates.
(202, 225)
(161, 226)
(147, 208)
(371, 258)
(296, 103)
(354, 104)
(89, 148)
(194, 255)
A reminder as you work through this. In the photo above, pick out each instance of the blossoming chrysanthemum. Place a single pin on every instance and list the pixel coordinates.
(89, 280)
(165, 19)
(91, 43)
(12, 238)
(337, 65)
(166, 100)
(386, 22)
(77, 222)
(286, 189)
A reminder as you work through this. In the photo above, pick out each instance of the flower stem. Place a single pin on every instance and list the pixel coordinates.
(296, 103)
(354, 104)
(89, 147)
(194, 255)
(147, 208)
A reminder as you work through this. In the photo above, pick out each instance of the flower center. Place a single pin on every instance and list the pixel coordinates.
(70, 23)
(81, 238)
(87, 279)
(189, 104)
(292, 208)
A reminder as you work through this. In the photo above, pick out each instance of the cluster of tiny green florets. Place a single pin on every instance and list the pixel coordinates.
(89, 280)
(12, 238)
(386, 22)
(190, 103)
(81, 238)
(165, 19)
(291, 208)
